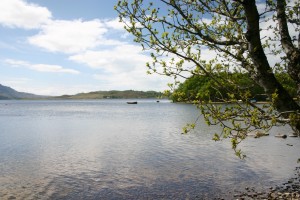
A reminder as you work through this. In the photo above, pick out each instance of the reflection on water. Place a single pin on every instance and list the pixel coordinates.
(110, 150)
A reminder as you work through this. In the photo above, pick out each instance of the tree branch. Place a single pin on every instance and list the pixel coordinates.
(293, 53)
(198, 31)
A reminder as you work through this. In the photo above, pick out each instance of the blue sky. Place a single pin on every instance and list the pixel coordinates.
(55, 47)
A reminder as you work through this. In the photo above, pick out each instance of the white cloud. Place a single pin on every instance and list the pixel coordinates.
(137, 80)
(11, 81)
(40, 67)
(206, 20)
(20, 14)
(56, 89)
(118, 59)
(123, 67)
(51, 88)
(115, 24)
(69, 36)
(52, 68)
(63, 36)
(75, 36)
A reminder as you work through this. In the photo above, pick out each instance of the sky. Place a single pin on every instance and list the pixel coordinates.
(56, 47)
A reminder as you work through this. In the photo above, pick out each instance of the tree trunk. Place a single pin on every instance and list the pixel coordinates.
(262, 72)
(292, 52)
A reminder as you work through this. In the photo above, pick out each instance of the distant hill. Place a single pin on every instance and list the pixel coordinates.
(9, 93)
(114, 94)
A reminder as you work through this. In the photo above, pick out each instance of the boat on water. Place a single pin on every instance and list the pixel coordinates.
(132, 102)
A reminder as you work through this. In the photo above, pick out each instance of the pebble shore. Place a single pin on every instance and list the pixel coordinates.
(287, 191)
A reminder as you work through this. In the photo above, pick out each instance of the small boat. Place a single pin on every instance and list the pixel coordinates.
(157, 101)
(132, 102)
(281, 136)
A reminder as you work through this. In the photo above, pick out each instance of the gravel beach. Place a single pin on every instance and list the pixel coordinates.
(289, 190)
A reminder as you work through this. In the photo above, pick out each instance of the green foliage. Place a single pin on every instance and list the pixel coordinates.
(203, 88)
(114, 94)
(194, 88)
(188, 128)
(226, 51)
(288, 83)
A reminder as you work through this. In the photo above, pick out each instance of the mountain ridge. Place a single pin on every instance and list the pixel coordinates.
(7, 93)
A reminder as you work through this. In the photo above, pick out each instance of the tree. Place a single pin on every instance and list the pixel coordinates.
(257, 37)
(194, 88)
(204, 88)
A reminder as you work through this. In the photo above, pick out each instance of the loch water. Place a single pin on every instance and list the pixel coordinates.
(107, 149)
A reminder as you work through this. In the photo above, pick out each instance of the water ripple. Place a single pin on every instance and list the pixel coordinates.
(108, 150)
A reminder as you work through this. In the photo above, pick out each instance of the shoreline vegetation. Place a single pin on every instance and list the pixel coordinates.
(7, 93)
(203, 87)
(114, 94)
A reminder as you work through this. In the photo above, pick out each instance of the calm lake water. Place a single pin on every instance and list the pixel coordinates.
(108, 149)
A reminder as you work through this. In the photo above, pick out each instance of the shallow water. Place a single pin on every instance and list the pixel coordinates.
(108, 149)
